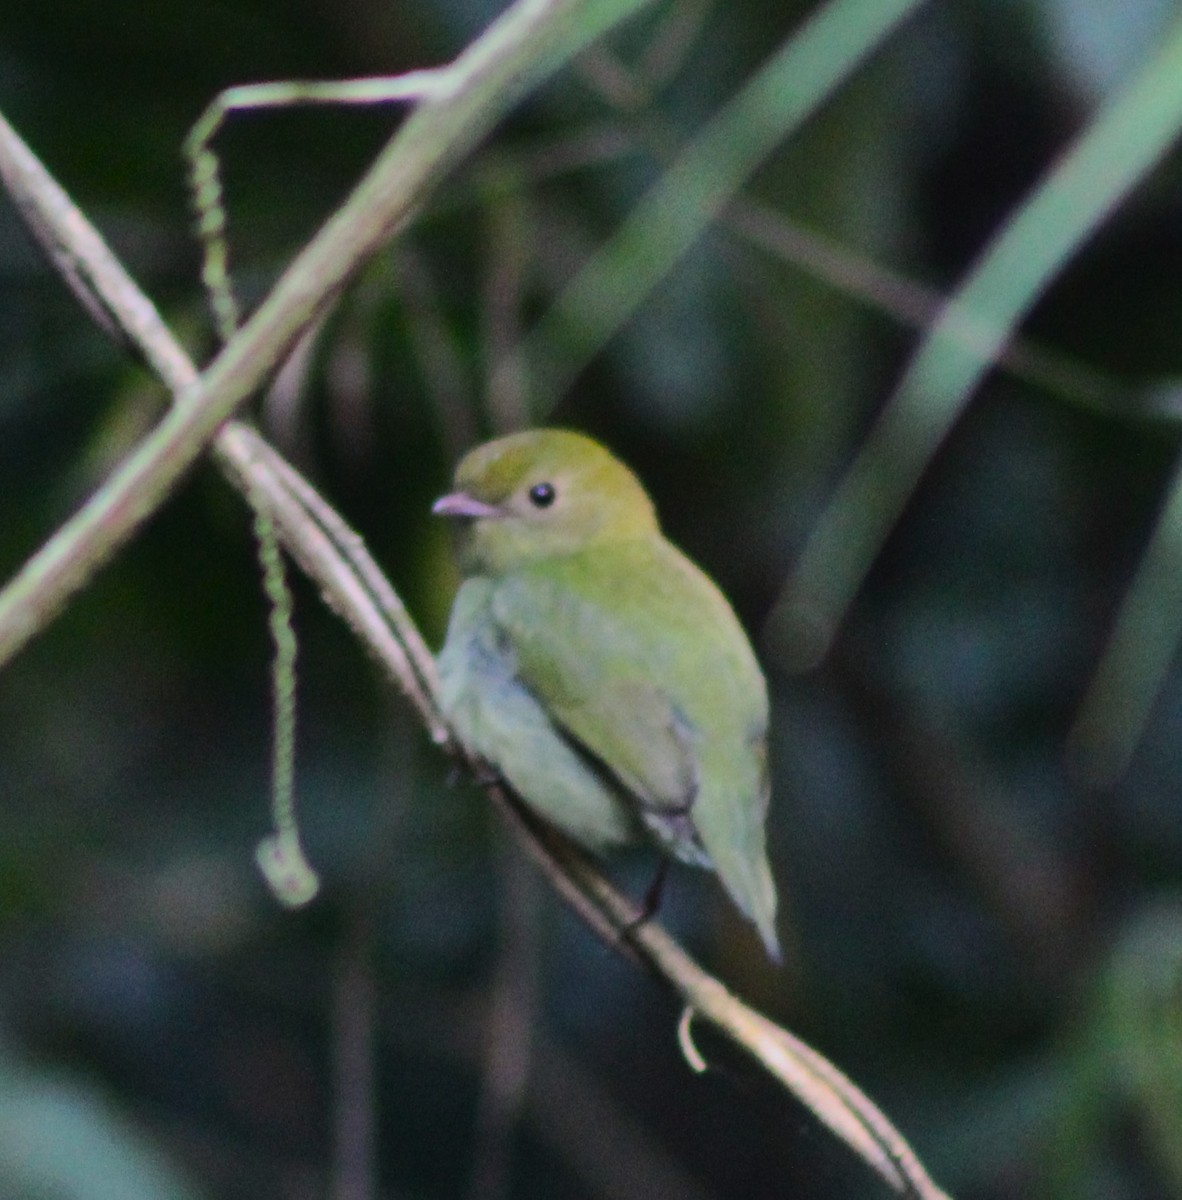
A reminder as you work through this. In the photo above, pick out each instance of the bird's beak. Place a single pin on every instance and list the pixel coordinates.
(460, 504)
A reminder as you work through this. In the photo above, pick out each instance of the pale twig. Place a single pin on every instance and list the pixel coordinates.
(530, 40)
(834, 1099)
(620, 1160)
(280, 856)
(309, 529)
(354, 1020)
(205, 174)
(671, 43)
(687, 1045)
(501, 306)
(512, 1018)
(351, 583)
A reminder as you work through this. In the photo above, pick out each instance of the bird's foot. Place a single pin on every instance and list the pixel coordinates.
(651, 903)
(480, 773)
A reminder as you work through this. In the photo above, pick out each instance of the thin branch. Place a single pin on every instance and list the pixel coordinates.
(512, 1019)
(1127, 137)
(527, 43)
(354, 1019)
(850, 272)
(677, 209)
(99, 280)
(205, 177)
(334, 556)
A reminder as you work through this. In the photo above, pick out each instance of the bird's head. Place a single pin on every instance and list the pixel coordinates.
(539, 494)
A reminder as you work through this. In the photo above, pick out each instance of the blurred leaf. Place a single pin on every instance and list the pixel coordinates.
(1144, 639)
(1142, 991)
(1100, 41)
(777, 98)
(1121, 144)
(1126, 1058)
(62, 1140)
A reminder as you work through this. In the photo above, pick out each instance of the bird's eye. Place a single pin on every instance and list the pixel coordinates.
(542, 495)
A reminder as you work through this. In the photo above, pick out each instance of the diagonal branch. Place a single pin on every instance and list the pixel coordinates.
(353, 585)
(525, 45)
(309, 529)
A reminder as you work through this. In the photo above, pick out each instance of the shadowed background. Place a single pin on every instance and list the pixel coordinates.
(987, 939)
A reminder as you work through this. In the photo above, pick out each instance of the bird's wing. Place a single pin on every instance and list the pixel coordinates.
(593, 673)
(599, 659)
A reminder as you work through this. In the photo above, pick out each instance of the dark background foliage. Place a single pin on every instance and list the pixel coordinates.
(986, 940)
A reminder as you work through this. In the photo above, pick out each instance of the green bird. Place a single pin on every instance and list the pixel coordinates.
(601, 673)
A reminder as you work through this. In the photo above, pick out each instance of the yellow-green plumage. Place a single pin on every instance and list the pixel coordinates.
(601, 672)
